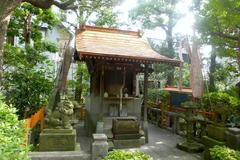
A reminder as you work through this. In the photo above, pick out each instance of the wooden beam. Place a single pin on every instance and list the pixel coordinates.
(101, 91)
(145, 99)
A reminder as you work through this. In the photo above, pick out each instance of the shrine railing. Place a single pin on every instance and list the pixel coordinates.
(35, 118)
(169, 117)
(33, 121)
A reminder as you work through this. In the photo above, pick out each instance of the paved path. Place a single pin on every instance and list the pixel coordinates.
(161, 146)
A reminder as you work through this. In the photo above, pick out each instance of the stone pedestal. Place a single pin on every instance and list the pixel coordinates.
(217, 132)
(216, 136)
(99, 146)
(233, 138)
(57, 140)
(191, 147)
(127, 143)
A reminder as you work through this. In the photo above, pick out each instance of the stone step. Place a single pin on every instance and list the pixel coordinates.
(66, 155)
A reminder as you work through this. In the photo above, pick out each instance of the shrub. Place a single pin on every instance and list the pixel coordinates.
(126, 155)
(157, 94)
(12, 135)
(221, 103)
(223, 153)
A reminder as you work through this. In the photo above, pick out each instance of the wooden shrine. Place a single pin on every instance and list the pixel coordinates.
(114, 59)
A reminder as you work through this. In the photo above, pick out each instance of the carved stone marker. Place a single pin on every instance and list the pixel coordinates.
(99, 146)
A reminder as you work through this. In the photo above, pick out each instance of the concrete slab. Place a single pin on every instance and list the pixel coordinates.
(161, 146)
(67, 155)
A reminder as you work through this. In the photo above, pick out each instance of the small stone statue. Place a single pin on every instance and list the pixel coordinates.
(62, 115)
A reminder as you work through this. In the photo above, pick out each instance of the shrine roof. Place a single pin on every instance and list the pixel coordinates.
(118, 45)
(178, 90)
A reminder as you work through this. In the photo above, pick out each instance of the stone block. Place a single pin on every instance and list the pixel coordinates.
(235, 131)
(217, 132)
(60, 155)
(192, 147)
(129, 143)
(57, 140)
(142, 140)
(99, 146)
(99, 128)
(233, 138)
(125, 125)
(127, 136)
(99, 137)
(210, 142)
(110, 145)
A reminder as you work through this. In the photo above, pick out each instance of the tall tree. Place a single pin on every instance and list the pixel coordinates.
(8, 6)
(159, 13)
(218, 23)
(27, 79)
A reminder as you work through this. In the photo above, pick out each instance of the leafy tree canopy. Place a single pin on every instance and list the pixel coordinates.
(27, 77)
(218, 23)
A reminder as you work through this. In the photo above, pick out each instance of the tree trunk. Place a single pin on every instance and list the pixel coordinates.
(170, 76)
(3, 30)
(212, 70)
(238, 55)
(27, 28)
(6, 8)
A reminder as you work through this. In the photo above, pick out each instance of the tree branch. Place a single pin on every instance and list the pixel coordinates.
(65, 5)
(225, 36)
(46, 4)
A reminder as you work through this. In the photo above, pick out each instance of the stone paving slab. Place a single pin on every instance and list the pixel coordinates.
(162, 146)
(66, 155)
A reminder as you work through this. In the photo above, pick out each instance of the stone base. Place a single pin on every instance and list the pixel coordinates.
(142, 140)
(217, 132)
(233, 138)
(61, 155)
(193, 147)
(210, 142)
(57, 140)
(126, 136)
(110, 145)
(129, 143)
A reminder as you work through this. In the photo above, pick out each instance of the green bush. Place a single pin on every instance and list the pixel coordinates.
(126, 155)
(221, 103)
(12, 135)
(223, 153)
(158, 94)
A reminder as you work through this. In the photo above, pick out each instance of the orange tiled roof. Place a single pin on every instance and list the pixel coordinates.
(119, 45)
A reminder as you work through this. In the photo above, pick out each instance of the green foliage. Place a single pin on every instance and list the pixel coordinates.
(107, 18)
(155, 95)
(37, 17)
(221, 103)
(27, 79)
(82, 82)
(218, 24)
(185, 75)
(126, 155)
(190, 104)
(153, 13)
(223, 153)
(162, 14)
(12, 134)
